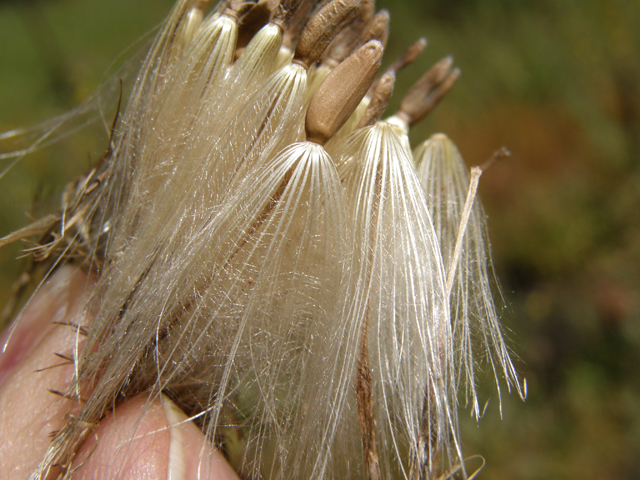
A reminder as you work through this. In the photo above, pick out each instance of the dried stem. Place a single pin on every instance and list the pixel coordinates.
(476, 173)
(364, 391)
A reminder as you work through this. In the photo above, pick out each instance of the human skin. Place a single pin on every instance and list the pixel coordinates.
(133, 442)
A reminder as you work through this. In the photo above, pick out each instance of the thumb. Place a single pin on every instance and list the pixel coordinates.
(149, 439)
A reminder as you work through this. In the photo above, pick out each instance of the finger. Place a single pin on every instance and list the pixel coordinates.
(53, 303)
(149, 440)
(29, 413)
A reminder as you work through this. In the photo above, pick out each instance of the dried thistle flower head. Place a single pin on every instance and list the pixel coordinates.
(267, 255)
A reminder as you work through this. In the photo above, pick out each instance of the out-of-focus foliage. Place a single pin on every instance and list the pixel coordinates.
(558, 83)
(53, 55)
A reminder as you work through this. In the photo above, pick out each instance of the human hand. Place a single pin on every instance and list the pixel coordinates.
(133, 442)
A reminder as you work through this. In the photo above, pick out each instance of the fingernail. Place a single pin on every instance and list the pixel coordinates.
(191, 456)
(175, 417)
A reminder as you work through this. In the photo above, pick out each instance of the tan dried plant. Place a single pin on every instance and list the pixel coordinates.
(270, 258)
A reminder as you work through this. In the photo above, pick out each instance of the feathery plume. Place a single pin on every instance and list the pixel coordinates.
(399, 303)
(446, 182)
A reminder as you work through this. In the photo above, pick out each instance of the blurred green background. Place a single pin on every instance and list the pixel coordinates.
(557, 82)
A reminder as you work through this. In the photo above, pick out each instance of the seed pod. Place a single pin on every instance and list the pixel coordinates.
(341, 92)
(322, 29)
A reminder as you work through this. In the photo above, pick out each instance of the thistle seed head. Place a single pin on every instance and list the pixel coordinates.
(270, 258)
